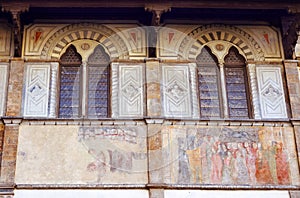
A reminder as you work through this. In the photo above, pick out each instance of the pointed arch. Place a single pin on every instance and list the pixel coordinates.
(69, 102)
(236, 84)
(71, 56)
(98, 83)
(100, 33)
(216, 32)
(209, 84)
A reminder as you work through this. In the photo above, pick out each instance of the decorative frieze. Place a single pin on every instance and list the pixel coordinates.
(3, 86)
(176, 91)
(271, 92)
(37, 84)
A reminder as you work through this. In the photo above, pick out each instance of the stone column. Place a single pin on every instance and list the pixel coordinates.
(194, 90)
(153, 78)
(15, 87)
(293, 85)
(155, 159)
(224, 92)
(53, 90)
(10, 143)
(254, 93)
(84, 89)
(114, 90)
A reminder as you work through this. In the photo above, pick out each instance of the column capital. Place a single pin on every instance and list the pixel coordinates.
(8, 120)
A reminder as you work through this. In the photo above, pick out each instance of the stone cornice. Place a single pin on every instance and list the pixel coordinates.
(161, 121)
(290, 6)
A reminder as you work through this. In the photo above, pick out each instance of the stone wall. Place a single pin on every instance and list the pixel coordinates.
(154, 142)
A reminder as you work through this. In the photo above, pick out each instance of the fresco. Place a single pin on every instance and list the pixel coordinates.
(118, 150)
(81, 155)
(231, 156)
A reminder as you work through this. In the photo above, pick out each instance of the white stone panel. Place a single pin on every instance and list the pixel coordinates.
(3, 86)
(80, 193)
(225, 194)
(36, 98)
(131, 90)
(176, 91)
(271, 92)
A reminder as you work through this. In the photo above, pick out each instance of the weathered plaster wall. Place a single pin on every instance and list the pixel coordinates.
(76, 155)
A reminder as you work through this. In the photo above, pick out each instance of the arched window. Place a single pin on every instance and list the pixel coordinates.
(236, 84)
(98, 83)
(84, 87)
(209, 84)
(222, 87)
(70, 100)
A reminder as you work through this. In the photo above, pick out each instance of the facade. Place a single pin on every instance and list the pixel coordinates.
(149, 99)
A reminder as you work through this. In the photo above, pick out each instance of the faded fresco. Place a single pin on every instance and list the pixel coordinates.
(81, 155)
(231, 156)
(119, 150)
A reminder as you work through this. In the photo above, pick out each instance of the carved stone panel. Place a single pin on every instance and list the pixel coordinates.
(131, 91)
(36, 96)
(176, 91)
(3, 86)
(271, 93)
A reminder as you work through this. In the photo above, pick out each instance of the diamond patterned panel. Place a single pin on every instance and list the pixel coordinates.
(37, 90)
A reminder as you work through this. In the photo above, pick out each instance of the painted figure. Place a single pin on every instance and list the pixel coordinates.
(227, 168)
(282, 166)
(194, 157)
(184, 175)
(251, 159)
(217, 164)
